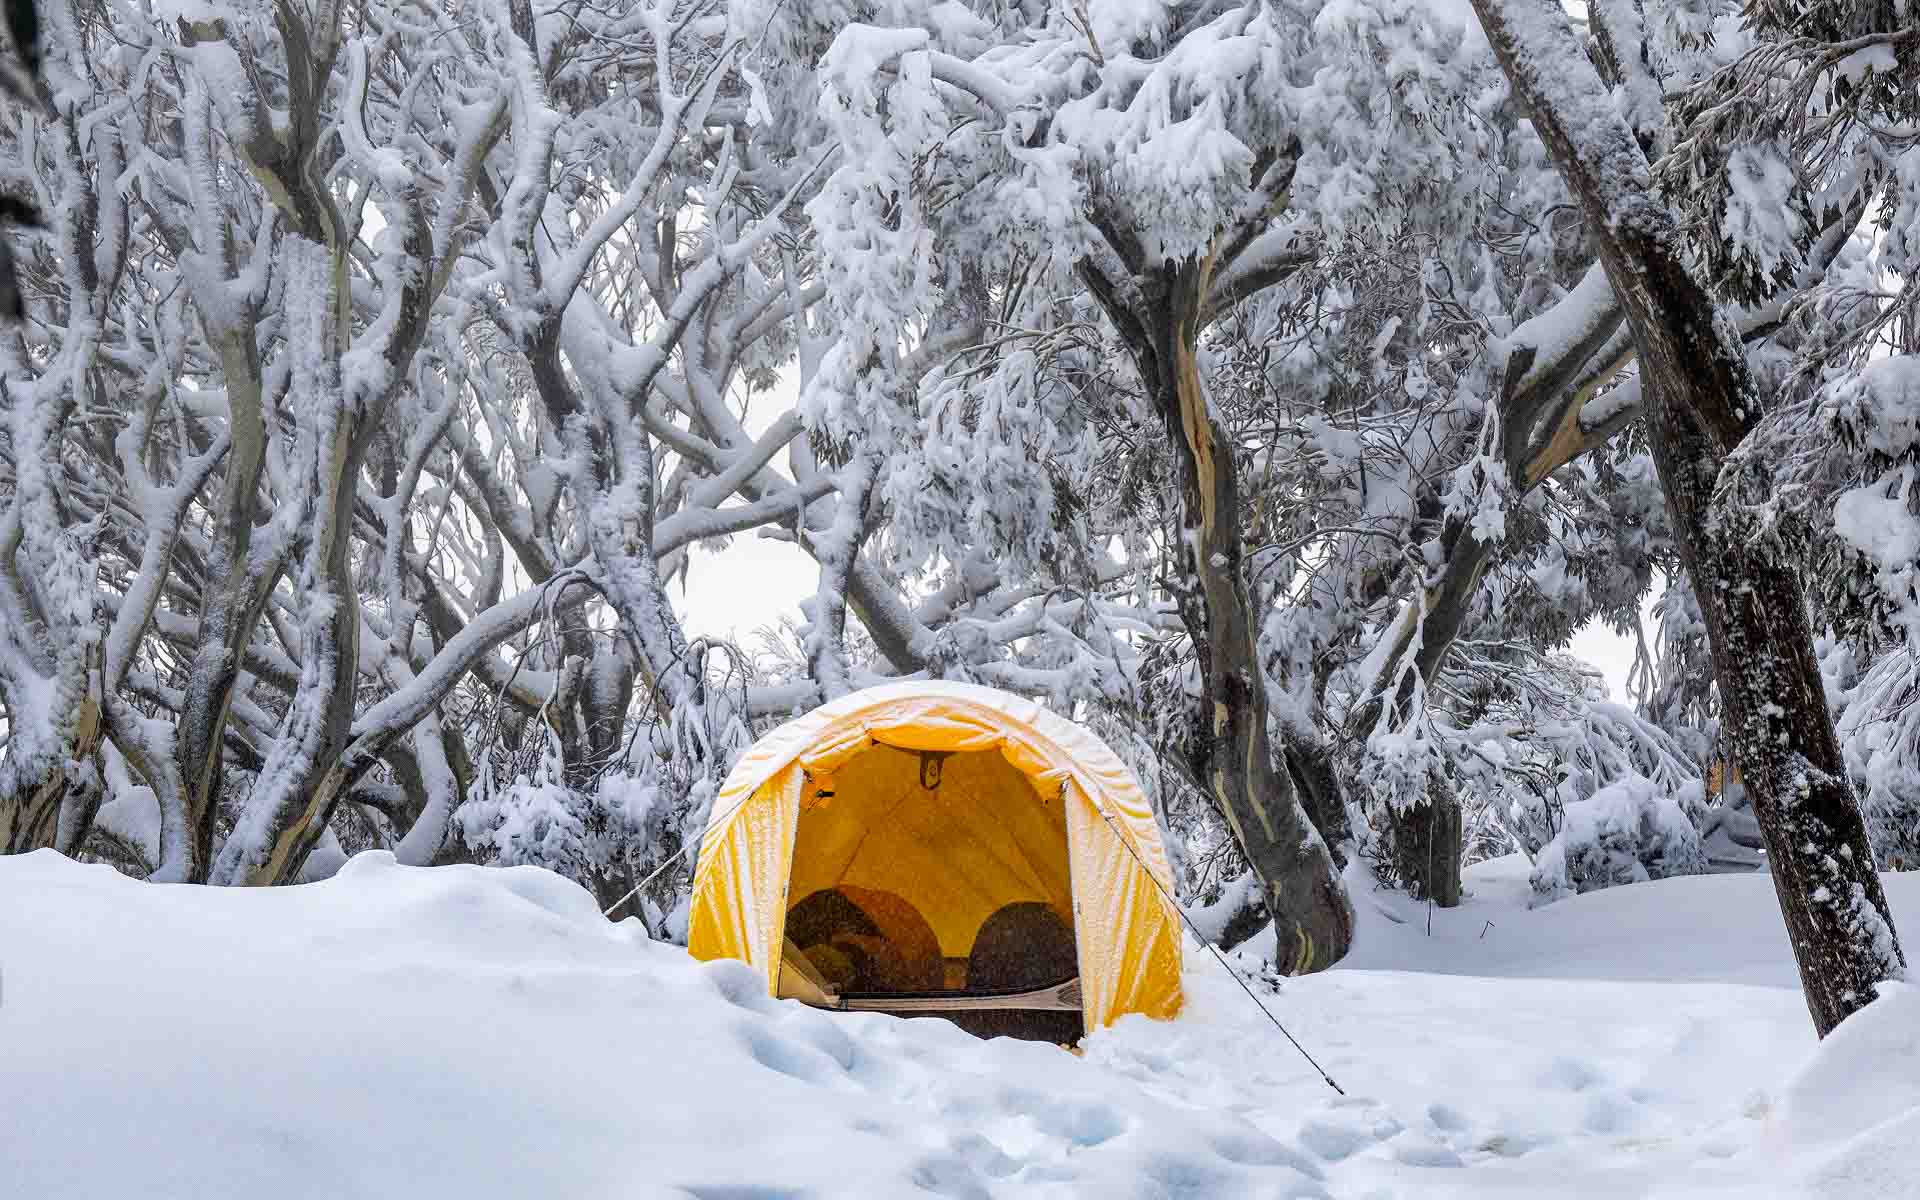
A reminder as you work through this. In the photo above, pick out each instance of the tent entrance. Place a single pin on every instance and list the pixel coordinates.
(928, 884)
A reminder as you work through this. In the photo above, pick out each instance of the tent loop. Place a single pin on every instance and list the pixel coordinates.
(823, 785)
(931, 763)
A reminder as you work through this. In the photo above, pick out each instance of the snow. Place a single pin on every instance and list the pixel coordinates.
(1761, 220)
(1880, 404)
(1880, 527)
(1625, 832)
(1840, 1105)
(468, 1032)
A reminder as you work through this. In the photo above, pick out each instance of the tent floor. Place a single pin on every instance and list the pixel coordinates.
(1031, 1025)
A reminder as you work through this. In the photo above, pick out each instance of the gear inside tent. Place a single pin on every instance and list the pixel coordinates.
(942, 849)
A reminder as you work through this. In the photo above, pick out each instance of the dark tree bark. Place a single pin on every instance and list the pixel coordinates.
(1699, 402)
(1779, 729)
(1310, 765)
(1425, 844)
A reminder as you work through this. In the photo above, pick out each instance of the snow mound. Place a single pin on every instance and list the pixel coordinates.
(1856, 1104)
(468, 1032)
(1627, 832)
(463, 1032)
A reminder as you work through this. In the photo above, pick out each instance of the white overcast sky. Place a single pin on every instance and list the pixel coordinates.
(756, 581)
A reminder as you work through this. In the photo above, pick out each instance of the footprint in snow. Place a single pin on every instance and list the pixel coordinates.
(950, 1177)
(1569, 1074)
(1251, 1148)
(1083, 1125)
(1187, 1177)
(1607, 1113)
(790, 1058)
(1445, 1118)
(1418, 1150)
(983, 1155)
(1333, 1141)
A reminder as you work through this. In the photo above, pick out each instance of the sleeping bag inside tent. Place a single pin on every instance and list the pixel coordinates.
(934, 848)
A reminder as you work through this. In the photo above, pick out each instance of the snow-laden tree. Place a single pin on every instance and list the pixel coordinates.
(1301, 262)
(1246, 379)
(1702, 401)
(384, 364)
(1815, 114)
(281, 485)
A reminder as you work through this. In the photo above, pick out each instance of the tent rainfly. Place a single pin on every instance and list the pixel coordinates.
(942, 848)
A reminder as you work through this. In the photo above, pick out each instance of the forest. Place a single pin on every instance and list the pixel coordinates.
(1272, 387)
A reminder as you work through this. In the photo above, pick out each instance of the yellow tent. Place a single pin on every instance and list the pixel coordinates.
(933, 847)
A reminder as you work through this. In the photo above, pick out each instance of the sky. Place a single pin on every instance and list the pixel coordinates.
(1608, 651)
(756, 581)
(753, 582)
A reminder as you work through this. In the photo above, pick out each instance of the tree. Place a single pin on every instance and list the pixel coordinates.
(384, 364)
(308, 248)
(1701, 402)
(1242, 379)
(1345, 351)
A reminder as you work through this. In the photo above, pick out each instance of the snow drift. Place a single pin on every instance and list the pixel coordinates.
(460, 1032)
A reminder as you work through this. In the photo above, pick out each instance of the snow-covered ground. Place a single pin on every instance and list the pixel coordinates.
(458, 1032)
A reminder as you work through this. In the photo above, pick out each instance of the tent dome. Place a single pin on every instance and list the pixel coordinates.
(899, 822)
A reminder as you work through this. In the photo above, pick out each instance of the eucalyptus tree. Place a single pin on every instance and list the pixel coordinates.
(1701, 404)
(1240, 377)
(1128, 179)
(383, 364)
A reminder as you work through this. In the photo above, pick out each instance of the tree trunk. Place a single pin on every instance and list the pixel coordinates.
(1426, 845)
(1538, 425)
(1700, 401)
(1311, 767)
(292, 799)
(55, 809)
(837, 549)
(1780, 730)
(1313, 919)
(50, 648)
(231, 599)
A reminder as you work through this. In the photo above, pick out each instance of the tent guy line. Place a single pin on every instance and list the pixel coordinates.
(1237, 977)
(662, 868)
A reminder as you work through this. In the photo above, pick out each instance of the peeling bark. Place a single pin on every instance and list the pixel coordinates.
(1235, 759)
(286, 815)
(56, 810)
